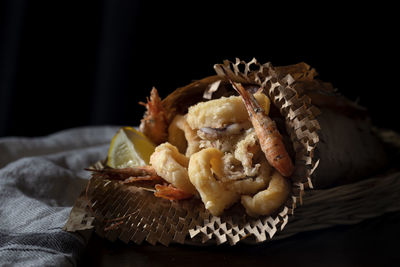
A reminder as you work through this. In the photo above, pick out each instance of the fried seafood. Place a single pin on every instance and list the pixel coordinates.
(172, 166)
(239, 151)
(245, 150)
(226, 144)
(267, 201)
(154, 123)
(226, 154)
(250, 185)
(221, 112)
(223, 150)
(192, 139)
(216, 133)
(268, 135)
(203, 167)
(182, 136)
(233, 170)
(176, 134)
(223, 141)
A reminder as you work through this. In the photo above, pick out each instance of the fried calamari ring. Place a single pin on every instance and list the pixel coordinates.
(221, 112)
(172, 166)
(193, 140)
(182, 136)
(249, 186)
(176, 135)
(269, 200)
(214, 193)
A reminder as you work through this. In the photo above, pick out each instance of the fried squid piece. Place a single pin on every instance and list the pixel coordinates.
(172, 166)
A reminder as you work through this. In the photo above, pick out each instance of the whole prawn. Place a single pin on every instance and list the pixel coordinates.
(128, 175)
(268, 135)
(135, 175)
(154, 123)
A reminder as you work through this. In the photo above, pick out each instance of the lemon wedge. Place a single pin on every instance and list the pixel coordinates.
(129, 148)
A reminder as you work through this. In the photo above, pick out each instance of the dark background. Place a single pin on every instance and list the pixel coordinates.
(67, 64)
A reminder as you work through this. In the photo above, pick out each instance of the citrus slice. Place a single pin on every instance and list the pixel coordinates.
(129, 148)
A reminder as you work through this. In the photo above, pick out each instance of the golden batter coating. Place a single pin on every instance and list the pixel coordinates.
(172, 166)
(213, 192)
(267, 201)
(224, 161)
(221, 112)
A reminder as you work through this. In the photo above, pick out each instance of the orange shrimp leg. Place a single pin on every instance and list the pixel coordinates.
(268, 135)
(129, 175)
(170, 192)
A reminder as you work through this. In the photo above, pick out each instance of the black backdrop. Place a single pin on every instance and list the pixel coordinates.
(66, 64)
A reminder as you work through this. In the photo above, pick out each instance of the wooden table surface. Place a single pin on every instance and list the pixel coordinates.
(373, 242)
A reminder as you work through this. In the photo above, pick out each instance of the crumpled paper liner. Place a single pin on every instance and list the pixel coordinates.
(146, 217)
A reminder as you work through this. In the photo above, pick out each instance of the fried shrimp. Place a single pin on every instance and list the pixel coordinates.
(215, 195)
(268, 135)
(269, 200)
(154, 123)
(172, 166)
(221, 112)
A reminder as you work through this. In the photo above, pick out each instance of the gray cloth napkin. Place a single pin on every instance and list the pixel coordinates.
(40, 178)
